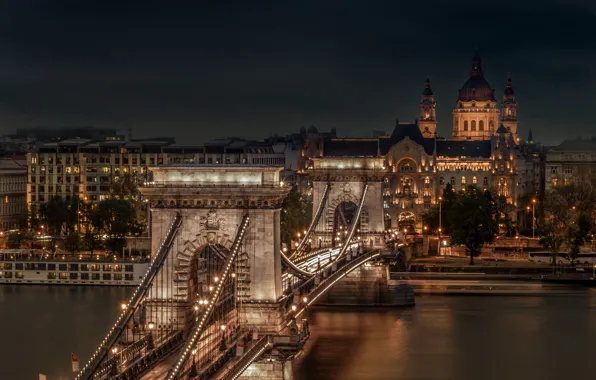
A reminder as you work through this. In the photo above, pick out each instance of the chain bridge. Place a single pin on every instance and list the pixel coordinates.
(220, 299)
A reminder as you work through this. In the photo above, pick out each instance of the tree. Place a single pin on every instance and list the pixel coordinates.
(91, 241)
(431, 218)
(295, 215)
(577, 234)
(472, 220)
(71, 242)
(116, 218)
(15, 240)
(568, 211)
(126, 187)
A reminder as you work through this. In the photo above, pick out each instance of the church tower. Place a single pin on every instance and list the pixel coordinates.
(428, 112)
(476, 116)
(509, 109)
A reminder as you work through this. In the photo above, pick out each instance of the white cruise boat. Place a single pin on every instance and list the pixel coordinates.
(33, 266)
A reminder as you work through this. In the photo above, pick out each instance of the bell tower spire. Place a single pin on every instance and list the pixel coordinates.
(428, 112)
(509, 108)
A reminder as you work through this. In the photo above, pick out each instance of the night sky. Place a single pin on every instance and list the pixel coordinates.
(230, 68)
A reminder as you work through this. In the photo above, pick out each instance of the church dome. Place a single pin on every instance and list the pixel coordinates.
(476, 88)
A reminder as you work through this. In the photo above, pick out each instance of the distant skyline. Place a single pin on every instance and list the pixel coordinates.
(251, 69)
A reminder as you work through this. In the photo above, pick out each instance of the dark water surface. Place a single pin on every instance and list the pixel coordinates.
(41, 325)
(456, 338)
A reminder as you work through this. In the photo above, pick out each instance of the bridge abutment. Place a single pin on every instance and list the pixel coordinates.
(368, 285)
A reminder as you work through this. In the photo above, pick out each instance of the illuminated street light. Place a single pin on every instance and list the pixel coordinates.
(123, 305)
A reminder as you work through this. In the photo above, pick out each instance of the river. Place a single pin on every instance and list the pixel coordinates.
(455, 338)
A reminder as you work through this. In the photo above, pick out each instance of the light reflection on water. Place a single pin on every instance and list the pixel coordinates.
(459, 338)
(455, 338)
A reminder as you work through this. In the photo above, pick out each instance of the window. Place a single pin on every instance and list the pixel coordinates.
(107, 267)
(485, 181)
(441, 181)
(463, 180)
(473, 125)
(452, 180)
(129, 277)
(427, 182)
(481, 125)
(474, 180)
(107, 276)
(465, 125)
(51, 275)
(95, 267)
(74, 267)
(553, 170)
(118, 276)
(568, 169)
(95, 276)
(63, 275)
(61, 266)
(73, 276)
(84, 276)
(128, 267)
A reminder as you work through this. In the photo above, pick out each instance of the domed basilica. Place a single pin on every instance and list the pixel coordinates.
(484, 150)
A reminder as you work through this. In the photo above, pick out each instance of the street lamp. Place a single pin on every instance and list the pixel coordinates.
(440, 215)
(533, 218)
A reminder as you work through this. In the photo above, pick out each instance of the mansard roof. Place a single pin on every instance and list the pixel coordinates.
(583, 144)
(410, 130)
(467, 148)
(351, 148)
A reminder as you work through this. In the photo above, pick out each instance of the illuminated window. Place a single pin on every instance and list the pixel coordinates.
(34, 160)
(463, 180)
(474, 180)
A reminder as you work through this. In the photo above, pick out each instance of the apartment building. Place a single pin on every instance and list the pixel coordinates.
(570, 161)
(13, 192)
(86, 168)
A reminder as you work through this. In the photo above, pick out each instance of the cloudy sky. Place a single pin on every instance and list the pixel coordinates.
(204, 69)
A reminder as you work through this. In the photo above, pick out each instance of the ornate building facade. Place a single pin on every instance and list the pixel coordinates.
(484, 150)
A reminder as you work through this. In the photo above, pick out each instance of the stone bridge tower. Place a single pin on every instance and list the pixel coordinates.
(212, 201)
(347, 177)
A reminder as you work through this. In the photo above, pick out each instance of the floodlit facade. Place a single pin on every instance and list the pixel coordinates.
(484, 150)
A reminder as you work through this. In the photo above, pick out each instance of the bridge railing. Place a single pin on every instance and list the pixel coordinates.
(313, 291)
(198, 329)
(314, 222)
(132, 306)
(247, 359)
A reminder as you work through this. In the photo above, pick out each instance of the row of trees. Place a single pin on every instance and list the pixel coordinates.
(567, 217)
(79, 222)
(473, 217)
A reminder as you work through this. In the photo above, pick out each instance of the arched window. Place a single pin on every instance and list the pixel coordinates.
(485, 181)
(427, 182)
(473, 125)
(441, 181)
(463, 180)
(491, 126)
(474, 180)
(481, 125)
(452, 180)
(465, 125)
